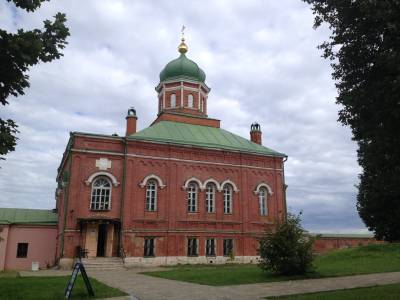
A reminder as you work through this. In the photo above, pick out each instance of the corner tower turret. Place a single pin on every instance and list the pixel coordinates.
(182, 88)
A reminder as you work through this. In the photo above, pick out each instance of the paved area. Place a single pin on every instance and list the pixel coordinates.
(144, 287)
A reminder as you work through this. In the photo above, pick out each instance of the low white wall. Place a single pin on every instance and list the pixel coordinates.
(175, 260)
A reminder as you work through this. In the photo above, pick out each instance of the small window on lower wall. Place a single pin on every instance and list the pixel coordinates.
(192, 247)
(149, 247)
(22, 250)
(228, 247)
(210, 247)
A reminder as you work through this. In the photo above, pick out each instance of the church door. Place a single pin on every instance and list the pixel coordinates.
(102, 240)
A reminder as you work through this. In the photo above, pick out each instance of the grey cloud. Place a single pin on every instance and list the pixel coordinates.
(261, 62)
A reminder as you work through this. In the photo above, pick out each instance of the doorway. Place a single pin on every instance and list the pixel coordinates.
(101, 240)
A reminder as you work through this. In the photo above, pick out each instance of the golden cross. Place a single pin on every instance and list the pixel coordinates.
(183, 31)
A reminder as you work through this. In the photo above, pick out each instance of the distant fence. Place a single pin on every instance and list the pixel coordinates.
(328, 242)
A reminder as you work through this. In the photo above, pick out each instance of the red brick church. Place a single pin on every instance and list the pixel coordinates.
(183, 190)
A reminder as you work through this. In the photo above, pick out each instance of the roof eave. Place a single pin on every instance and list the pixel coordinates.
(275, 154)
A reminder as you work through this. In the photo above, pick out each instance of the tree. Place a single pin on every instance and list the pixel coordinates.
(287, 251)
(18, 52)
(364, 48)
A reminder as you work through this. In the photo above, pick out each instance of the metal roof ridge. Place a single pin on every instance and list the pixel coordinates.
(256, 148)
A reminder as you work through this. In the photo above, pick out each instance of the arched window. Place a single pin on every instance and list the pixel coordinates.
(210, 198)
(173, 100)
(262, 199)
(228, 193)
(101, 194)
(190, 100)
(151, 195)
(192, 197)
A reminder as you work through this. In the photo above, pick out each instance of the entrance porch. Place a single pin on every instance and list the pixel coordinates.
(100, 237)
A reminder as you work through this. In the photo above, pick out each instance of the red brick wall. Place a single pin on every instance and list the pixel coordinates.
(325, 244)
(171, 223)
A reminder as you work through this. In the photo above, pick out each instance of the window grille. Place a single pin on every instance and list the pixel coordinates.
(151, 195)
(101, 194)
(173, 100)
(228, 247)
(210, 198)
(228, 199)
(149, 247)
(192, 197)
(192, 247)
(210, 247)
(22, 250)
(262, 198)
(190, 100)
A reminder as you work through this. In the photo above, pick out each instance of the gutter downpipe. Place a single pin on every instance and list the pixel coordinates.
(121, 240)
(284, 188)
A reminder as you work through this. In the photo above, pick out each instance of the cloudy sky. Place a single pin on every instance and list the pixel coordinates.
(262, 65)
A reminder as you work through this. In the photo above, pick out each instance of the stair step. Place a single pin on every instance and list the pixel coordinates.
(103, 263)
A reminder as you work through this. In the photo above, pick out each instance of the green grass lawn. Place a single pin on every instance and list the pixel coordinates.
(385, 292)
(360, 260)
(50, 288)
(4, 274)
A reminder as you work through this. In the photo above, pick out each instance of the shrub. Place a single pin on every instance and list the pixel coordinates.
(287, 251)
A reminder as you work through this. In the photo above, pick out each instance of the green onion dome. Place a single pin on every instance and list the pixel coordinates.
(182, 68)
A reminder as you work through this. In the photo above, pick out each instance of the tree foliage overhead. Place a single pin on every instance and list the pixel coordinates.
(364, 48)
(18, 52)
(287, 251)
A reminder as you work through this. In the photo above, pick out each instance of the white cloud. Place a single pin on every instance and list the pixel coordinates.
(261, 62)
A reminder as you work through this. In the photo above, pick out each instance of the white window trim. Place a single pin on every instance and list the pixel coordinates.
(230, 200)
(211, 180)
(263, 201)
(109, 200)
(213, 200)
(190, 97)
(261, 185)
(155, 198)
(196, 199)
(114, 181)
(173, 97)
(228, 181)
(152, 176)
(198, 181)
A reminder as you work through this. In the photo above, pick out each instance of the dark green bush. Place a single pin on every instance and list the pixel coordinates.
(287, 251)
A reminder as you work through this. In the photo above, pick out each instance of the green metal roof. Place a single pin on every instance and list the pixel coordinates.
(182, 68)
(200, 136)
(27, 216)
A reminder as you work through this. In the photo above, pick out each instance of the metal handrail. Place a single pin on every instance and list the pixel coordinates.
(122, 254)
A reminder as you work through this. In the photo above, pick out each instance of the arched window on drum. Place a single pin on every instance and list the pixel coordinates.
(173, 100)
(190, 100)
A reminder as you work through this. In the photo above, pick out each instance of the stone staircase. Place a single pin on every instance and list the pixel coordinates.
(103, 263)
